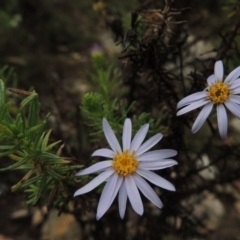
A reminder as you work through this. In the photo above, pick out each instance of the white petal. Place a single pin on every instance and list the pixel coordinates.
(110, 136)
(202, 116)
(147, 191)
(133, 195)
(95, 182)
(118, 185)
(236, 90)
(156, 179)
(127, 134)
(122, 199)
(97, 167)
(157, 155)
(233, 108)
(193, 106)
(191, 98)
(234, 84)
(233, 75)
(104, 152)
(149, 144)
(222, 120)
(211, 79)
(156, 165)
(218, 70)
(235, 98)
(108, 194)
(139, 137)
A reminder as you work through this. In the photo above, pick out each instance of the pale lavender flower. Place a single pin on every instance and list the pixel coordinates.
(125, 172)
(219, 92)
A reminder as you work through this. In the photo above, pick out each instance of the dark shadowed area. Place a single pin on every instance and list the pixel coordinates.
(162, 52)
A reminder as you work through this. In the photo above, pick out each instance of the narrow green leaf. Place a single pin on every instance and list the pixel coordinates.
(6, 72)
(26, 167)
(6, 147)
(14, 128)
(18, 118)
(63, 170)
(9, 74)
(33, 180)
(24, 126)
(35, 129)
(56, 162)
(32, 188)
(16, 165)
(37, 143)
(21, 128)
(8, 118)
(2, 93)
(15, 80)
(48, 155)
(4, 111)
(3, 70)
(28, 99)
(54, 174)
(49, 147)
(41, 186)
(45, 140)
(34, 109)
(5, 130)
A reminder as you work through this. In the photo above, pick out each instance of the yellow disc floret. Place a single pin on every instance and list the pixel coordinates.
(219, 92)
(125, 163)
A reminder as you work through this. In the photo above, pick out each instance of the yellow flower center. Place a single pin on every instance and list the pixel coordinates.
(219, 92)
(125, 163)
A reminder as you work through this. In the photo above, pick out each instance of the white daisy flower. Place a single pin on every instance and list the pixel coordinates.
(219, 92)
(128, 166)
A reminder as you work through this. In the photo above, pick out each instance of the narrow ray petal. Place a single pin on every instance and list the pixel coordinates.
(106, 198)
(122, 199)
(149, 144)
(147, 191)
(193, 106)
(222, 120)
(236, 90)
(234, 84)
(157, 155)
(191, 98)
(233, 75)
(108, 194)
(235, 98)
(211, 79)
(156, 165)
(139, 137)
(133, 195)
(110, 136)
(233, 108)
(127, 134)
(202, 116)
(97, 167)
(156, 179)
(95, 182)
(104, 152)
(119, 184)
(218, 70)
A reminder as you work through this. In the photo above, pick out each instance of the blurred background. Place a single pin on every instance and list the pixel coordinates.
(49, 43)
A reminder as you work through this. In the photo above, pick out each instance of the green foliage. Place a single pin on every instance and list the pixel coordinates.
(231, 7)
(105, 80)
(103, 104)
(7, 73)
(23, 138)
